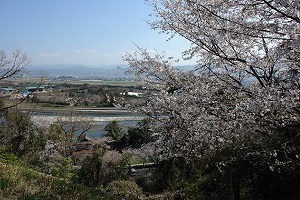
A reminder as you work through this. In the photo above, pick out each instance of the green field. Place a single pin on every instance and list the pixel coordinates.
(124, 83)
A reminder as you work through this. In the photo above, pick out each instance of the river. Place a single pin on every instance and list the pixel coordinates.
(99, 117)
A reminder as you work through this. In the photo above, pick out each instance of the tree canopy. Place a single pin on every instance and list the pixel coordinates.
(114, 130)
(244, 87)
(229, 127)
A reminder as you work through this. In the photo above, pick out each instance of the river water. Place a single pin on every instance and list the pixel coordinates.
(99, 118)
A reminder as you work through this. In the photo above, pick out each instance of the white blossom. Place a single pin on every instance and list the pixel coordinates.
(246, 81)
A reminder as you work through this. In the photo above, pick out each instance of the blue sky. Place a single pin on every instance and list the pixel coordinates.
(89, 32)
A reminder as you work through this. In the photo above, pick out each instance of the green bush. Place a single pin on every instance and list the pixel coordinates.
(114, 130)
(90, 171)
(127, 189)
(63, 168)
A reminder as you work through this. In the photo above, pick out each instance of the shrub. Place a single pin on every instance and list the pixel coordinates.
(90, 171)
(127, 189)
(114, 130)
(63, 168)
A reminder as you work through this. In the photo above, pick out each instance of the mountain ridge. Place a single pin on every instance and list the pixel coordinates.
(78, 70)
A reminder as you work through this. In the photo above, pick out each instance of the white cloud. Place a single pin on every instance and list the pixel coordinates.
(51, 54)
(87, 51)
(107, 54)
(91, 51)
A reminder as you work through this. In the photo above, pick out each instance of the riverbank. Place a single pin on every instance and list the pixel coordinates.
(98, 117)
(75, 110)
(46, 120)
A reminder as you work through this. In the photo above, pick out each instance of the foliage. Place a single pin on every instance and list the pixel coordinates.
(136, 137)
(62, 133)
(252, 38)
(18, 181)
(115, 167)
(140, 135)
(236, 173)
(63, 168)
(2, 104)
(19, 134)
(107, 101)
(6, 156)
(114, 130)
(90, 172)
(103, 167)
(247, 80)
(127, 189)
(242, 99)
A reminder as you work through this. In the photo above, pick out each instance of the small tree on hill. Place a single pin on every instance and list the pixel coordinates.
(20, 135)
(114, 130)
(63, 133)
(138, 136)
(90, 172)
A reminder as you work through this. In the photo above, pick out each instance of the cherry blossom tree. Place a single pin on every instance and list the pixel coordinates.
(245, 87)
(239, 39)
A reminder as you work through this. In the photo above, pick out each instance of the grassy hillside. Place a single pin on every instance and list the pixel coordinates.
(18, 181)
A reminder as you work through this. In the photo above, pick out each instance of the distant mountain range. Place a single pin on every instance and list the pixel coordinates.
(84, 71)
(80, 71)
